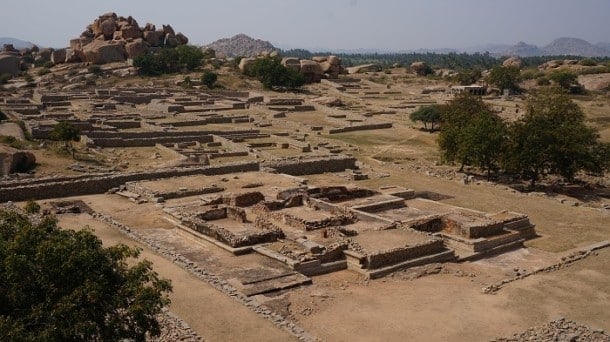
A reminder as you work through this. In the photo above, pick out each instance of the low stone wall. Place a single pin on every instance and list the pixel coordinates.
(299, 167)
(380, 259)
(225, 236)
(431, 224)
(360, 128)
(120, 142)
(100, 183)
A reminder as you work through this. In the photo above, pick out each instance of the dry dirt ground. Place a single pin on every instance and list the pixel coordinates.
(213, 315)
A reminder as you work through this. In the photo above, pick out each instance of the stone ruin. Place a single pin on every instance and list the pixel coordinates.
(111, 38)
(321, 229)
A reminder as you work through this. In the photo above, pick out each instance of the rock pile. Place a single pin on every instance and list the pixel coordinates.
(13, 160)
(513, 62)
(559, 330)
(420, 68)
(111, 38)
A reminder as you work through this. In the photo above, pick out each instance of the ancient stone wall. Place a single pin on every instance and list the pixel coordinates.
(379, 259)
(299, 167)
(360, 128)
(100, 183)
(225, 236)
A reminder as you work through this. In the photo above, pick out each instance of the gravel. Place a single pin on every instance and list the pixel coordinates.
(560, 330)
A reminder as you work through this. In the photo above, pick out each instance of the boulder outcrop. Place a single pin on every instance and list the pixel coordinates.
(513, 62)
(314, 69)
(9, 64)
(13, 160)
(112, 38)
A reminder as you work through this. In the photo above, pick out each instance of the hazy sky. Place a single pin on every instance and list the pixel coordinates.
(338, 24)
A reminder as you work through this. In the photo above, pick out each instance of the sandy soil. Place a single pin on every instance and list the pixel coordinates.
(213, 315)
(449, 306)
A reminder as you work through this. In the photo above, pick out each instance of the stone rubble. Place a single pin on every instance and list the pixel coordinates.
(558, 330)
(174, 329)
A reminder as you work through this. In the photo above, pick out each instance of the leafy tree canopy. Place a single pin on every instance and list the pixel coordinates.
(65, 131)
(428, 115)
(63, 285)
(272, 74)
(471, 134)
(552, 138)
(169, 60)
(505, 77)
(209, 78)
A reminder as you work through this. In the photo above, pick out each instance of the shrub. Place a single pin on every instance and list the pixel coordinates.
(588, 62)
(209, 78)
(31, 207)
(94, 69)
(4, 78)
(48, 64)
(13, 142)
(43, 71)
(505, 78)
(543, 81)
(189, 56)
(272, 74)
(28, 78)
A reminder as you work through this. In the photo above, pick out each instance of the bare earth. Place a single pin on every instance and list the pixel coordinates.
(213, 315)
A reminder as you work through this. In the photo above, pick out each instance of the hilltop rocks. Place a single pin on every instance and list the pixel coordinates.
(513, 62)
(245, 63)
(111, 38)
(13, 160)
(311, 70)
(102, 51)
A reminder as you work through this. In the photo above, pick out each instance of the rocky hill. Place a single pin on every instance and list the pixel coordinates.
(240, 45)
(523, 49)
(574, 46)
(17, 43)
(558, 47)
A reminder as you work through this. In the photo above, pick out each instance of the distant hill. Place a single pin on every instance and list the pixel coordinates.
(558, 47)
(524, 50)
(241, 45)
(574, 46)
(17, 43)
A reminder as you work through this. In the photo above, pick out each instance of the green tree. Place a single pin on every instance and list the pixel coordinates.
(458, 117)
(505, 78)
(63, 285)
(552, 138)
(66, 132)
(209, 78)
(272, 74)
(564, 79)
(468, 76)
(428, 115)
(189, 56)
(31, 207)
(485, 140)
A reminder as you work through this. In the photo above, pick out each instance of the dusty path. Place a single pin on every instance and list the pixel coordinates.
(213, 315)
